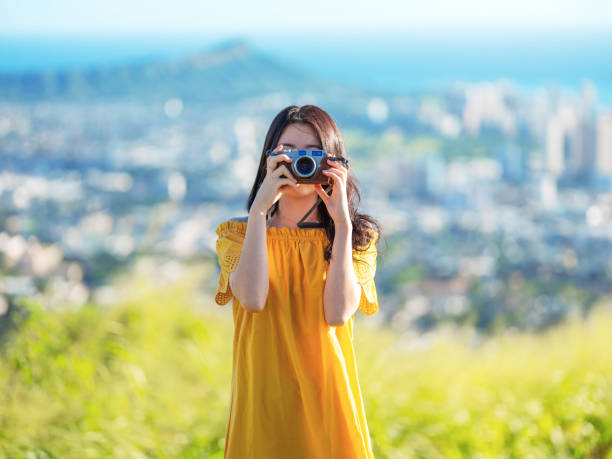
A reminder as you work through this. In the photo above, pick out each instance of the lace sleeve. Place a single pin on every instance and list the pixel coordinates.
(229, 247)
(364, 264)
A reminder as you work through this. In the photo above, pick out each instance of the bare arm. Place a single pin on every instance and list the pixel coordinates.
(249, 281)
(342, 292)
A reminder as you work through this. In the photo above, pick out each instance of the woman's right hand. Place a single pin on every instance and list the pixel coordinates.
(275, 182)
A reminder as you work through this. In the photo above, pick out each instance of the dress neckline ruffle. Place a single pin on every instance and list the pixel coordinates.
(274, 232)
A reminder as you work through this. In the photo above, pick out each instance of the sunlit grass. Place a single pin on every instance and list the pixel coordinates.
(547, 395)
(150, 377)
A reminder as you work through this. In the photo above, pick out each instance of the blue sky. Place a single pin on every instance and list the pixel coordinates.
(267, 17)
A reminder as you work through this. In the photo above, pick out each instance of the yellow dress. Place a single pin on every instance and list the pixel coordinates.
(295, 392)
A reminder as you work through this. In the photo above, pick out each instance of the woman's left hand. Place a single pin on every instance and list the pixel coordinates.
(337, 202)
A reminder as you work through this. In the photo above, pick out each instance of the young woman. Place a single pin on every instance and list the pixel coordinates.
(295, 390)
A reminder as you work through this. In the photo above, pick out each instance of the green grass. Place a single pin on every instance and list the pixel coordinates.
(150, 377)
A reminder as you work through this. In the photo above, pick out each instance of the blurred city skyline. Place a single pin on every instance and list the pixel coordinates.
(500, 149)
(511, 194)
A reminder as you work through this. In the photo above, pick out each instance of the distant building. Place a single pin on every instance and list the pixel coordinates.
(485, 105)
(570, 139)
(604, 145)
(582, 165)
(560, 134)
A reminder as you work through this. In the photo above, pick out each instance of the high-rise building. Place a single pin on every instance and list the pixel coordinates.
(604, 145)
(583, 158)
(580, 164)
(561, 137)
(570, 138)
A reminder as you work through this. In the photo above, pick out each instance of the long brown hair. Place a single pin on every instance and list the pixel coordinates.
(331, 141)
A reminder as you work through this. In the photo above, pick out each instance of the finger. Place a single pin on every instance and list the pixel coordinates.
(339, 173)
(334, 174)
(277, 158)
(337, 164)
(336, 183)
(285, 181)
(325, 190)
(338, 167)
(279, 148)
(282, 170)
(321, 192)
(329, 189)
(274, 162)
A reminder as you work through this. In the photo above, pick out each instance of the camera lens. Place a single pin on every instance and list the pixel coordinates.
(305, 166)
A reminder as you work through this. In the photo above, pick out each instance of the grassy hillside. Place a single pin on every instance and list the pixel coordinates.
(150, 377)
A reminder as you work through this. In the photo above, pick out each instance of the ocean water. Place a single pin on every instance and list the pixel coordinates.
(398, 62)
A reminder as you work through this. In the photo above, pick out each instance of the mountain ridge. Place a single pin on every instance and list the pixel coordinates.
(230, 69)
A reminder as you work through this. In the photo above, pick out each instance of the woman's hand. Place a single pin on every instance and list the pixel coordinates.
(274, 183)
(337, 202)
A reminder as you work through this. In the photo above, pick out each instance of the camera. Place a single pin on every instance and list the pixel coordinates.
(306, 165)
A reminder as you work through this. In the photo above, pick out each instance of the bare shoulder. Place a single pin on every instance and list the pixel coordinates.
(239, 219)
